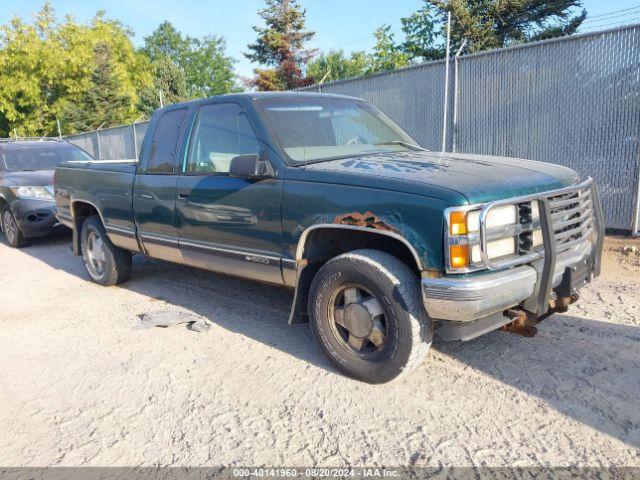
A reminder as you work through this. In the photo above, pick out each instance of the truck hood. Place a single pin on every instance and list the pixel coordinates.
(478, 178)
(36, 178)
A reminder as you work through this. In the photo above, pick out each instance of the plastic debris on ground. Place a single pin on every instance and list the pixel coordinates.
(171, 318)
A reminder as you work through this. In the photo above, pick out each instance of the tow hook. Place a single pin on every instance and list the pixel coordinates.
(561, 304)
(522, 323)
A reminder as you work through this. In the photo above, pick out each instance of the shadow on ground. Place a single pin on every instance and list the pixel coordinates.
(575, 364)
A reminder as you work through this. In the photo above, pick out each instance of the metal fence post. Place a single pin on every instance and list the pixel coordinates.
(135, 140)
(446, 86)
(98, 144)
(456, 94)
(636, 211)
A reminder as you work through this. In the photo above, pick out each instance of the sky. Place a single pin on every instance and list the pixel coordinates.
(345, 24)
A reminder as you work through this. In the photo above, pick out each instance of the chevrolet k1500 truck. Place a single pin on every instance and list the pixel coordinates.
(383, 241)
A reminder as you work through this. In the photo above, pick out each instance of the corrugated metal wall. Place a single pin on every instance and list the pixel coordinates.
(573, 101)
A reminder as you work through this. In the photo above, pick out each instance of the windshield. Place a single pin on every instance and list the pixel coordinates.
(311, 129)
(20, 158)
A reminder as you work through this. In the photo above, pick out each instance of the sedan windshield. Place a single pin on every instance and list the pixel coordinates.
(312, 129)
(20, 158)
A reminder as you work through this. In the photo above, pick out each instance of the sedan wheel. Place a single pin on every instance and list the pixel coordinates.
(10, 229)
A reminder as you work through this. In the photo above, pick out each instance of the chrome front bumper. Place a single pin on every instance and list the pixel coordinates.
(470, 297)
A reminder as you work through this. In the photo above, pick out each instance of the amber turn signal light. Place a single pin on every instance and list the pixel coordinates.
(458, 223)
(459, 256)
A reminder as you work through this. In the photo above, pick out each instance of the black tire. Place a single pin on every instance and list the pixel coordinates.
(10, 228)
(106, 264)
(401, 317)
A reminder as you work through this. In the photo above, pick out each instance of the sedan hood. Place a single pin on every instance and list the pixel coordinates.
(478, 178)
(36, 178)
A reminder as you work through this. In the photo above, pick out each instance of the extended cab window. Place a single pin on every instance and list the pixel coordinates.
(165, 142)
(221, 132)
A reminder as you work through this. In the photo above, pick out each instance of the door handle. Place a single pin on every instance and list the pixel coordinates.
(183, 193)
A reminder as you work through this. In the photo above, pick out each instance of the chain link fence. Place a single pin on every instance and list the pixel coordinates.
(112, 143)
(573, 101)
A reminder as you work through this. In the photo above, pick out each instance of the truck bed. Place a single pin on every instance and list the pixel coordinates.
(106, 186)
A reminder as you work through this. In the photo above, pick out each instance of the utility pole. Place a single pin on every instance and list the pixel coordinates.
(446, 85)
(59, 129)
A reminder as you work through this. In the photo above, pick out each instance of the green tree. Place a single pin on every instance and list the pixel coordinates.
(104, 103)
(335, 65)
(48, 66)
(281, 46)
(488, 24)
(423, 35)
(169, 79)
(386, 55)
(207, 69)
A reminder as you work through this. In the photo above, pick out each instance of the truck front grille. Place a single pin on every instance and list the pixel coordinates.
(572, 218)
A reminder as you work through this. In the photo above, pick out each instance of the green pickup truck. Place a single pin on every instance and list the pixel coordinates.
(384, 242)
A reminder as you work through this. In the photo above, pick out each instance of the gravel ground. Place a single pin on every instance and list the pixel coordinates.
(81, 386)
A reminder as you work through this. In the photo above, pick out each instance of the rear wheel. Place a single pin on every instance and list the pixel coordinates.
(106, 264)
(367, 314)
(10, 228)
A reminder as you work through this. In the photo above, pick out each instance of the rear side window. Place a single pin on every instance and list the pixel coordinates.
(165, 142)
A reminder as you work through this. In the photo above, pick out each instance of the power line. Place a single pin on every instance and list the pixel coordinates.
(614, 11)
(631, 21)
(604, 19)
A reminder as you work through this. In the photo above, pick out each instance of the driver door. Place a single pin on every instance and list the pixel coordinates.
(226, 224)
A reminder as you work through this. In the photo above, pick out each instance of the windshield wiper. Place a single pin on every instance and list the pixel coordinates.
(404, 144)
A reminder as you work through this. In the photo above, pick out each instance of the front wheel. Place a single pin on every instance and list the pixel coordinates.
(367, 315)
(11, 230)
(106, 264)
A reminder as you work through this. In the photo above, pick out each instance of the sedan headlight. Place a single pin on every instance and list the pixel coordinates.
(36, 193)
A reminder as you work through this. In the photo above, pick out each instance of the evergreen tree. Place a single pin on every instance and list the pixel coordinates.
(103, 104)
(488, 24)
(281, 46)
(169, 79)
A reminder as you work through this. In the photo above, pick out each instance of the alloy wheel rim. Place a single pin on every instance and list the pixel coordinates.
(9, 226)
(96, 257)
(358, 321)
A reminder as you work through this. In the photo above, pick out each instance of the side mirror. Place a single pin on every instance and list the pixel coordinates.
(249, 166)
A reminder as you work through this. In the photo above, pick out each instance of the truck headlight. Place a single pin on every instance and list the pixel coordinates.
(463, 235)
(36, 193)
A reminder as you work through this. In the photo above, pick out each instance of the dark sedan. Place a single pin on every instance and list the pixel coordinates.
(27, 206)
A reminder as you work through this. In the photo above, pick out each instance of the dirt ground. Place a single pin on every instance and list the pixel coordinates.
(79, 385)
